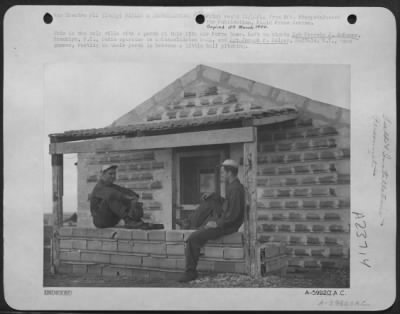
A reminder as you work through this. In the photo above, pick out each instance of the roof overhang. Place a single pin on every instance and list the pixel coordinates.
(214, 137)
(253, 118)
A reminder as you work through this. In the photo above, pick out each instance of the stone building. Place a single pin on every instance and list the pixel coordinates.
(294, 155)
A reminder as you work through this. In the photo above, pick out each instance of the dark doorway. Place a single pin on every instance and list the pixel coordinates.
(197, 171)
(198, 175)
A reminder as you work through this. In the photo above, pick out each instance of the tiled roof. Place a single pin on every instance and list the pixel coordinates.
(237, 113)
(205, 91)
(203, 107)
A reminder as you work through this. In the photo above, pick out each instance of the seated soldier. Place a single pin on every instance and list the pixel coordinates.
(109, 203)
(219, 222)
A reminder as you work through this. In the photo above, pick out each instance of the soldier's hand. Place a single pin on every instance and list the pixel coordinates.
(133, 198)
(211, 224)
(205, 196)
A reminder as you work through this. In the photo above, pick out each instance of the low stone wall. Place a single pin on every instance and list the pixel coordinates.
(122, 252)
(272, 258)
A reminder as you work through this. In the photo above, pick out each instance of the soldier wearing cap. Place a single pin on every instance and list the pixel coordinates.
(109, 203)
(228, 222)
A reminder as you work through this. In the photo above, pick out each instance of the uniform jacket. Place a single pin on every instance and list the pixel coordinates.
(111, 193)
(233, 206)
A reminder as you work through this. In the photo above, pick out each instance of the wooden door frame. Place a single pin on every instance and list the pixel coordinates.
(197, 151)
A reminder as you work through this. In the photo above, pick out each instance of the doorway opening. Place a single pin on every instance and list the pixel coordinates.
(197, 171)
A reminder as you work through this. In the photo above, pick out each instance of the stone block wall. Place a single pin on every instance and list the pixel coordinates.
(272, 258)
(303, 189)
(148, 173)
(121, 252)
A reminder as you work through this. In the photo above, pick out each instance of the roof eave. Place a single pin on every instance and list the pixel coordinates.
(171, 125)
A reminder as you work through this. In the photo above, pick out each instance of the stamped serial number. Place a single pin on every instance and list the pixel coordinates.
(330, 292)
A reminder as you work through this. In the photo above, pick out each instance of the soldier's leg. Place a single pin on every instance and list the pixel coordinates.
(195, 219)
(195, 242)
(199, 216)
(135, 210)
(118, 208)
(207, 208)
(104, 217)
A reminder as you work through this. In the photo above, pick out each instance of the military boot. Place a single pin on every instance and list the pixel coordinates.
(188, 276)
(133, 224)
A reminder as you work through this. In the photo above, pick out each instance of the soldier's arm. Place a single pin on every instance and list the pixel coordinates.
(232, 208)
(110, 193)
(129, 193)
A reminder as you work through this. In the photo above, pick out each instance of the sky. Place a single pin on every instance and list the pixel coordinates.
(93, 95)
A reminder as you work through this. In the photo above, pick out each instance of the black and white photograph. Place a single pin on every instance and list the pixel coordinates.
(216, 180)
(199, 158)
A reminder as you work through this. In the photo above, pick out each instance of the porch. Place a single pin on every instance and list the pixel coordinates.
(115, 251)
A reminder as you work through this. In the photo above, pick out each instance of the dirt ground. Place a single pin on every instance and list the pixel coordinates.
(326, 279)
